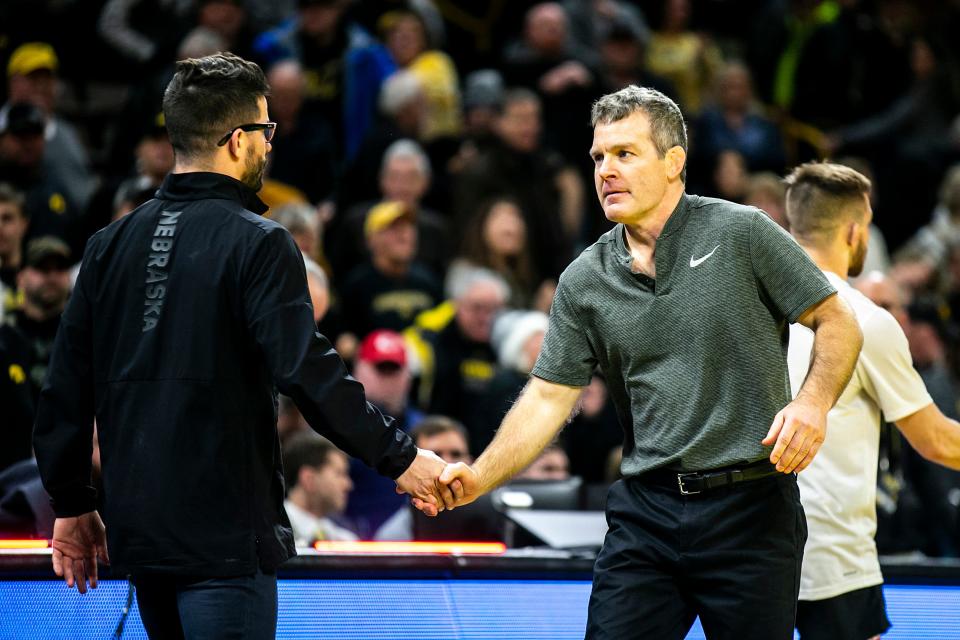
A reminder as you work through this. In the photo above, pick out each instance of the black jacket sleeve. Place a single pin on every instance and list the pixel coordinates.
(304, 364)
(63, 430)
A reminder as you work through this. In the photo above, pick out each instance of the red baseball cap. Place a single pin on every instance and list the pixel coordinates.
(383, 345)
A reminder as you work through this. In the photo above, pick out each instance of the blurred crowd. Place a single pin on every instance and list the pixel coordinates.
(431, 163)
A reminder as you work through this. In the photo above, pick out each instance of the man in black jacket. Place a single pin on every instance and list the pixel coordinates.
(188, 316)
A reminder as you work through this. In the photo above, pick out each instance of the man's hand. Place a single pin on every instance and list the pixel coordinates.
(798, 431)
(464, 481)
(420, 481)
(77, 543)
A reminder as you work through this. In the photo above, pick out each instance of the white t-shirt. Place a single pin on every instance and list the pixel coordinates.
(838, 489)
(307, 527)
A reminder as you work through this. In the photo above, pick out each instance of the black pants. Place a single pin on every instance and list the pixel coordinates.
(731, 556)
(208, 608)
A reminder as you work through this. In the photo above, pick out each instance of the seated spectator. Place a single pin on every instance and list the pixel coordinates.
(22, 164)
(303, 152)
(317, 477)
(622, 44)
(44, 281)
(549, 192)
(13, 227)
(405, 176)
(290, 422)
(381, 367)
(551, 464)
(482, 100)
(687, 58)
(408, 42)
(736, 123)
(547, 60)
(766, 192)
(591, 22)
(594, 434)
(303, 224)
(729, 176)
(32, 78)
(16, 401)
(392, 287)
(943, 231)
(517, 337)
(344, 67)
(448, 439)
(454, 362)
(496, 239)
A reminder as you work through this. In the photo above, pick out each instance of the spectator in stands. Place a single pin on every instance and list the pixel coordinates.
(407, 38)
(448, 439)
(303, 151)
(591, 22)
(381, 367)
(547, 60)
(22, 156)
(302, 223)
(622, 43)
(32, 77)
(593, 434)
(318, 483)
(392, 287)
(943, 231)
(686, 58)
(766, 192)
(404, 176)
(13, 227)
(482, 100)
(735, 123)
(550, 193)
(454, 360)
(343, 64)
(144, 32)
(16, 400)
(551, 464)
(290, 422)
(516, 337)
(729, 176)
(44, 281)
(229, 20)
(496, 238)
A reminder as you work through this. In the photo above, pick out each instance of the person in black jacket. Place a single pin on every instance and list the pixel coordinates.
(188, 315)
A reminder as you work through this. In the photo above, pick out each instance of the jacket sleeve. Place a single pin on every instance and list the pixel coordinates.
(63, 430)
(306, 367)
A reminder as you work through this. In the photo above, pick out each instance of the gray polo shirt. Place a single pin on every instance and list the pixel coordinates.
(696, 360)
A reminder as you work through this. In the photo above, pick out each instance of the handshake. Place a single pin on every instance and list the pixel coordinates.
(435, 485)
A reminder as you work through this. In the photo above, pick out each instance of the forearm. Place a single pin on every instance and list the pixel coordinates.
(836, 346)
(534, 421)
(934, 436)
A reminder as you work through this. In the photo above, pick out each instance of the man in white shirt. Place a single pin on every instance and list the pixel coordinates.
(318, 483)
(840, 586)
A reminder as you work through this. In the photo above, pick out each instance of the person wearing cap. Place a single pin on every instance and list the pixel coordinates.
(317, 477)
(32, 77)
(44, 284)
(23, 163)
(392, 287)
(188, 317)
(383, 368)
(841, 596)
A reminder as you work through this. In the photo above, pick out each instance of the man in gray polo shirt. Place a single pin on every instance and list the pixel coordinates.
(684, 305)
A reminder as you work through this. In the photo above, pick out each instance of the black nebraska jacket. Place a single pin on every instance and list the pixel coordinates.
(187, 316)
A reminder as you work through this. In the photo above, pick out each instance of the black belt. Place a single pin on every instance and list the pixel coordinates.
(692, 483)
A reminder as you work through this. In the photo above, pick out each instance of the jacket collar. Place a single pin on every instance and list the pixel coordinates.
(203, 185)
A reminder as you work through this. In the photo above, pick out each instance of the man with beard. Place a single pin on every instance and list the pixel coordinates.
(841, 596)
(44, 282)
(188, 316)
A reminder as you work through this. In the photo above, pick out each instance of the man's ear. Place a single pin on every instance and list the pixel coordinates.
(676, 159)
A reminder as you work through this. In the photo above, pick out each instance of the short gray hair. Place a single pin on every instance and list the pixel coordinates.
(296, 218)
(398, 91)
(667, 128)
(406, 148)
(479, 276)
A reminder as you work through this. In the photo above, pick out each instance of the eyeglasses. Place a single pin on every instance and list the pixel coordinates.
(268, 128)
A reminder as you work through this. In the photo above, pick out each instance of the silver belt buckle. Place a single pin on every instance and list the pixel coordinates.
(683, 491)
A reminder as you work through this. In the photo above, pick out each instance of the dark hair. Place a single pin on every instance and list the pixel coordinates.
(522, 276)
(9, 195)
(667, 128)
(515, 95)
(435, 425)
(819, 194)
(304, 450)
(209, 96)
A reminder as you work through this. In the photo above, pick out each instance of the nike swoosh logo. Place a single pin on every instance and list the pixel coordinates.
(695, 263)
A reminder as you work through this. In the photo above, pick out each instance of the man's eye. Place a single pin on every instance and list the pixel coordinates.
(623, 154)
